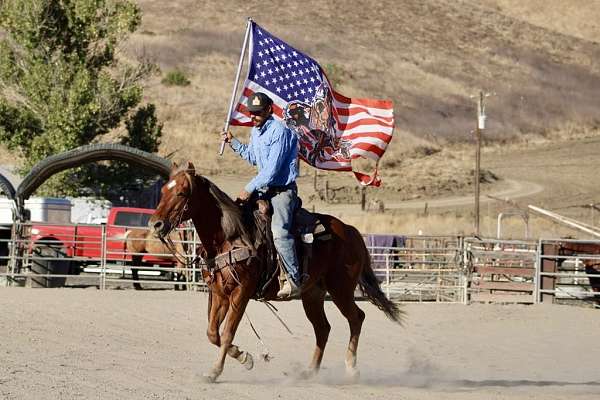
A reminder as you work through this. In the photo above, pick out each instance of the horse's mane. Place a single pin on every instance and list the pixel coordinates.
(233, 223)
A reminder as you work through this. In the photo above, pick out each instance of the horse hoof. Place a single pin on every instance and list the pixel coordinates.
(247, 361)
(352, 374)
(209, 378)
(308, 374)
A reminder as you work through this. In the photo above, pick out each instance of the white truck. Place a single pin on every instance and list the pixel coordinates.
(41, 209)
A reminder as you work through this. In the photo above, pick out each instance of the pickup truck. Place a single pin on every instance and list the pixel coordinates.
(71, 249)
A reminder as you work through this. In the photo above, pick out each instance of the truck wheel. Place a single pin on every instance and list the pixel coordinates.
(5, 236)
(42, 266)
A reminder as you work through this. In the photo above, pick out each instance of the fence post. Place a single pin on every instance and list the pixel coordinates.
(547, 265)
(464, 270)
(12, 259)
(536, 279)
(103, 258)
(387, 275)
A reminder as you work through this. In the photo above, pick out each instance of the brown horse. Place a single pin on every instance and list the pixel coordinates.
(143, 241)
(337, 266)
(592, 267)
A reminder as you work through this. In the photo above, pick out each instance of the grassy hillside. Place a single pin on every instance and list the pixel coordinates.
(572, 18)
(539, 58)
(428, 56)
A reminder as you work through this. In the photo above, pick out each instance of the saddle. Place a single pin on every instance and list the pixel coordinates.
(307, 228)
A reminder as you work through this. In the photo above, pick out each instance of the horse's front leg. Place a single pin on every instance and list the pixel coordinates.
(238, 301)
(218, 311)
(219, 305)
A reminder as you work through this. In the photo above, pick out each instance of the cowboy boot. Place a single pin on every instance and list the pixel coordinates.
(289, 290)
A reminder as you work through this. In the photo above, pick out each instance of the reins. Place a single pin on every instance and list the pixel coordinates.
(212, 265)
(172, 247)
(265, 354)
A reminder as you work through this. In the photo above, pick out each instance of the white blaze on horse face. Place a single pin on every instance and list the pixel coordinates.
(171, 184)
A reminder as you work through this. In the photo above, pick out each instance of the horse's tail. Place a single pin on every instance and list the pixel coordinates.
(370, 288)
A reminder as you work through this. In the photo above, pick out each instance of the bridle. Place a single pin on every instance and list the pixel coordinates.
(211, 265)
(176, 221)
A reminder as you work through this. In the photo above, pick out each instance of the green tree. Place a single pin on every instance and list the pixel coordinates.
(61, 85)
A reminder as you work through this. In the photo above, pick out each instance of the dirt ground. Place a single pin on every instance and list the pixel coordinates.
(91, 344)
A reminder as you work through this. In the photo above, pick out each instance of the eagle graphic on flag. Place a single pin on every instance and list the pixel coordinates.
(332, 129)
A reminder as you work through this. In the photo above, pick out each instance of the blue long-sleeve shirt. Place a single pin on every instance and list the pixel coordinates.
(273, 148)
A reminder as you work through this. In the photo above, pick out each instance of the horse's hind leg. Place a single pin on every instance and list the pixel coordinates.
(179, 275)
(343, 297)
(312, 301)
(136, 261)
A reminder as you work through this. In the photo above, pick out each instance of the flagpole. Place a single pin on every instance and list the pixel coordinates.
(235, 84)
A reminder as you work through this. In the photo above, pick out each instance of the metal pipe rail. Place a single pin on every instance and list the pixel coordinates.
(427, 269)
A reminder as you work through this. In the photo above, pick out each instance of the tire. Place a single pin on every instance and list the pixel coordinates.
(5, 235)
(42, 266)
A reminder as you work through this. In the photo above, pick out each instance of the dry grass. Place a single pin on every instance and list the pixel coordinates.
(571, 19)
(449, 223)
(461, 222)
(428, 56)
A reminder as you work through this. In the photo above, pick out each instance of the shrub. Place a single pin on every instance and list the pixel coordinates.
(175, 78)
(421, 151)
(336, 74)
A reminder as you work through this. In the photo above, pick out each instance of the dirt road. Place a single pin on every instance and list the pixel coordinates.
(511, 189)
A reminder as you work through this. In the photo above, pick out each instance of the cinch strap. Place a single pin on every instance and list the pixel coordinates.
(231, 257)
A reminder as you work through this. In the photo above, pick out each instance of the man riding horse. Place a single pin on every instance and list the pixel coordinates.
(273, 148)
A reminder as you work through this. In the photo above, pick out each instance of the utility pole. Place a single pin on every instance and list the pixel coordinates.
(480, 127)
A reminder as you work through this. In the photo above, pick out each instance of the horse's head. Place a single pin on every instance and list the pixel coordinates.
(175, 195)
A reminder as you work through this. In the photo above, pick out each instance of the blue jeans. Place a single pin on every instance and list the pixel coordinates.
(284, 206)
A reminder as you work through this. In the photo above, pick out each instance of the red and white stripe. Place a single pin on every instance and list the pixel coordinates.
(367, 123)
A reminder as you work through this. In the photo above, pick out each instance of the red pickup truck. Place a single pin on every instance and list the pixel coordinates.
(70, 249)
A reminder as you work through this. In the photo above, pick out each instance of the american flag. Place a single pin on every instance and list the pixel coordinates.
(332, 129)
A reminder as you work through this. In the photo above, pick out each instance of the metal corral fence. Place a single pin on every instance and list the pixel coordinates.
(410, 268)
(419, 268)
(501, 270)
(569, 271)
(106, 256)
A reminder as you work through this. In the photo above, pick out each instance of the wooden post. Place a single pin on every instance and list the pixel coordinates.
(327, 190)
(363, 197)
(477, 175)
(479, 128)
